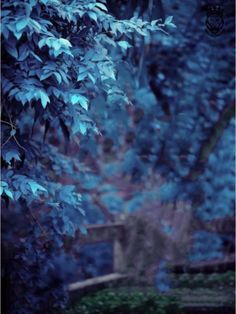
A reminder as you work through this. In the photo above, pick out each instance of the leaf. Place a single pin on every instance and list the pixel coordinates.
(65, 42)
(124, 44)
(154, 22)
(141, 31)
(45, 76)
(93, 16)
(42, 42)
(4, 184)
(18, 35)
(82, 76)
(23, 52)
(44, 98)
(168, 20)
(79, 126)
(13, 154)
(36, 25)
(5, 31)
(8, 193)
(21, 24)
(63, 75)
(56, 44)
(58, 77)
(83, 101)
(92, 78)
(17, 195)
(172, 25)
(83, 128)
(36, 187)
(101, 6)
(36, 56)
(76, 126)
(11, 50)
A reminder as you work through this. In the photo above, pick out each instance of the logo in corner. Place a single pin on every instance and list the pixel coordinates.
(214, 19)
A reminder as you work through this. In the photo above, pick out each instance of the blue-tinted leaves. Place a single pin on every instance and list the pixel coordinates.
(90, 181)
(82, 124)
(46, 72)
(35, 187)
(86, 73)
(21, 24)
(4, 189)
(168, 22)
(45, 75)
(5, 13)
(58, 77)
(8, 193)
(124, 44)
(10, 154)
(107, 70)
(35, 56)
(68, 196)
(35, 25)
(23, 52)
(65, 42)
(101, 6)
(206, 246)
(56, 45)
(42, 42)
(1, 190)
(79, 126)
(11, 49)
(6, 85)
(57, 93)
(5, 31)
(26, 187)
(162, 278)
(82, 75)
(93, 15)
(44, 98)
(63, 76)
(168, 191)
(79, 99)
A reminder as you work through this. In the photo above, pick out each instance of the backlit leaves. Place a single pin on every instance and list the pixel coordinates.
(57, 61)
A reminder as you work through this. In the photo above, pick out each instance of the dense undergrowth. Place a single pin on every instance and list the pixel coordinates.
(126, 300)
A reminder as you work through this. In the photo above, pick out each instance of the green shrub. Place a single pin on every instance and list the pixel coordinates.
(126, 301)
(199, 280)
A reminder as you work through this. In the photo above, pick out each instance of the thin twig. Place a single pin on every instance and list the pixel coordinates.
(18, 143)
(6, 141)
(8, 123)
(12, 128)
(37, 222)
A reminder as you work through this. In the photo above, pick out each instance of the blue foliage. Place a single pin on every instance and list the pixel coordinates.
(59, 58)
(162, 279)
(217, 179)
(206, 246)
(95, 260)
